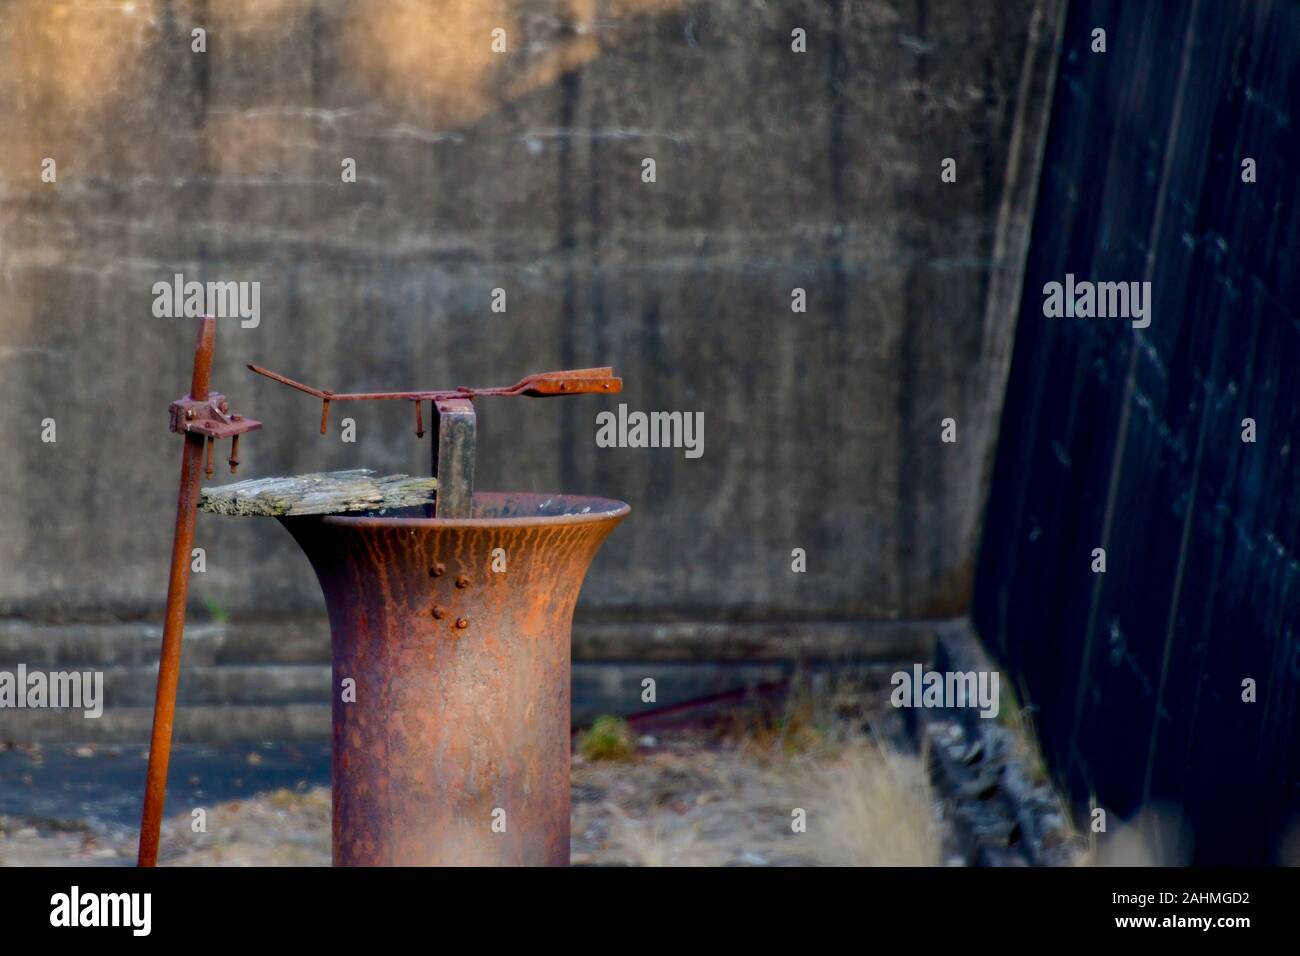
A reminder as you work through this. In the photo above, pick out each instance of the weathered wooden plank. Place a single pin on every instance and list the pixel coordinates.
(332, 492)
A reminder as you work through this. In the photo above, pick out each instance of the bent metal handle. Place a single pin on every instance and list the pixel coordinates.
(452, 460)
(540, 385)
(575, 382)
(578, 381)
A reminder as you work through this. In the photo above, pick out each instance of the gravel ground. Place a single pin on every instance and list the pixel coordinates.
(730, 792)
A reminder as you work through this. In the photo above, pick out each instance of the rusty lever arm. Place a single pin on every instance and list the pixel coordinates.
(539, 385)
(578, 381)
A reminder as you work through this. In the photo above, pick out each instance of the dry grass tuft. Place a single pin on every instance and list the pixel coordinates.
(798, 784)
(871, 806)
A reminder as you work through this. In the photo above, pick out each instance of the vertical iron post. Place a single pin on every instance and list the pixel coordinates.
(201, 417)
(169, 661)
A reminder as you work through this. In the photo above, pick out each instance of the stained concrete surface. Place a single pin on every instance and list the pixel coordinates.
(775, 170)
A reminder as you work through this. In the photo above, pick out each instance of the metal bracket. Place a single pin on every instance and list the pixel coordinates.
(211, 418)
(453, 457)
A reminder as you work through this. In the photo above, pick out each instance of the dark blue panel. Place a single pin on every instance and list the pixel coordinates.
(1130, 439)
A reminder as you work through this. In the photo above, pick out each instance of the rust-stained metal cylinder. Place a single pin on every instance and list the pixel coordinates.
(455, 750)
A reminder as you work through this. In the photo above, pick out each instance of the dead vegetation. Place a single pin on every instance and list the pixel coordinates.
(805, 783)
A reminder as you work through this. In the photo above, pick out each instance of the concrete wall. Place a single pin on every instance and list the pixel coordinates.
(522, 171)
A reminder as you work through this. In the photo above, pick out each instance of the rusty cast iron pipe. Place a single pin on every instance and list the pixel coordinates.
(451, 746)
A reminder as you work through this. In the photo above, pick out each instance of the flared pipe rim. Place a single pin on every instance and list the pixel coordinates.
(573, 510)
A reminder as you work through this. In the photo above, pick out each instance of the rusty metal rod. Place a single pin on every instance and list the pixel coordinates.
(541, 385)
(169, 662)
